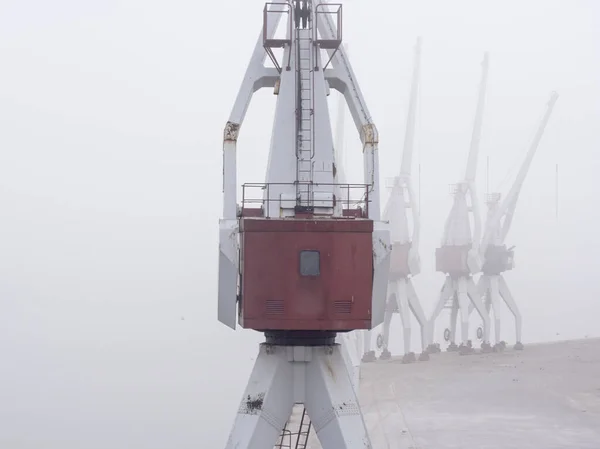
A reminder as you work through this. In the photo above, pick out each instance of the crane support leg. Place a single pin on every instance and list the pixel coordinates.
(404, 310)
(463, 303)
(453, 322)
(314, 376)
(368, 353)
(417, 311)
(494, 296)
(446, 293)
(512, 306)
(266, 404)
(392, 303)
(351, 357)
(476, 300)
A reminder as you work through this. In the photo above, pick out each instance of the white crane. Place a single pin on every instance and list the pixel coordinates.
(302, 267)
(497, 258)
(402, 297)
(458, 257)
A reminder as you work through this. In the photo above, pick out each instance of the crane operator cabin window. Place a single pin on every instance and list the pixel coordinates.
(309, 263)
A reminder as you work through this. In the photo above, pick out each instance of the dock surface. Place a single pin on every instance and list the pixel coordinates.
(545, 397)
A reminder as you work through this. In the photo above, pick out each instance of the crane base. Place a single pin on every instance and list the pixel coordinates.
(315, 376)
(369, 357)
(409, 358)
(385, 355)
(434, 348)
(499, 347)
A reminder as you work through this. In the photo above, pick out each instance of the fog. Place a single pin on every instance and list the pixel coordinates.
(111, 120)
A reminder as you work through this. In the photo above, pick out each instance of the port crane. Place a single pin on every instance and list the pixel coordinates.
(402, 297)
(497, 258)
(458, 257)
(298, 263)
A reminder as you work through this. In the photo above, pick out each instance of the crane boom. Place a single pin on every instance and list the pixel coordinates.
(476, 136)
(509, 204)
(409, 136)
(339, 139)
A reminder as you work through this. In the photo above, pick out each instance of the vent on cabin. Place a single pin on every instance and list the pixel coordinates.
(274, 307)
(343, 307)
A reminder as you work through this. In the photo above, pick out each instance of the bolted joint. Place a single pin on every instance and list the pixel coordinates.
(370, 135)
(231, 132)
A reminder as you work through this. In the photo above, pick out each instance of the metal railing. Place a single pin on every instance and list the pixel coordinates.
(492, 198)
(270, 42)
(351, 196)
(332, 9)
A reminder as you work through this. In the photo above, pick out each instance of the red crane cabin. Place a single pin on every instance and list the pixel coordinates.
(306, 274)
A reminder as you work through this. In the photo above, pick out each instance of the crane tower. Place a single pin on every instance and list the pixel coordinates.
(458, 257)
(300, 264)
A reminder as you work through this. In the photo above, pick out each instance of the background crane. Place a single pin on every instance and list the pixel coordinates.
(402, 297)
(497, 258)
(458, 257)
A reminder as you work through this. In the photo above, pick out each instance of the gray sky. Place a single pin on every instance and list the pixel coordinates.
(111, 119)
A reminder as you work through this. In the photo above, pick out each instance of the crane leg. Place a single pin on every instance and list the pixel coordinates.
(266, 404)
(453, 322)
(403, 309)
(476, 300)
(463, 303)
(512, 306)
(368, 353)
(351, 357)
(417, 311)
(328, 388)
(445, 294)
(387, 321)
(494, 299)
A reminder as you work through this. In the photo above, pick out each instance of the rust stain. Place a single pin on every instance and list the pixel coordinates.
(231, 131)
(329, 369)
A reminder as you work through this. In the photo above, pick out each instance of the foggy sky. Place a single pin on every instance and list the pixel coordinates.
(111, 119)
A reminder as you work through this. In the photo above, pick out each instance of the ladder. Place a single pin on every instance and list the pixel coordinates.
(303, 431)
(294, 431)
(285, 439)
(305, 63)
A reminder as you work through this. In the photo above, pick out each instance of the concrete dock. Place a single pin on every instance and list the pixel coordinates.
(545, 397)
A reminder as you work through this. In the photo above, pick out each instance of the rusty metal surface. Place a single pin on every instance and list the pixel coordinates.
(276, 296)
